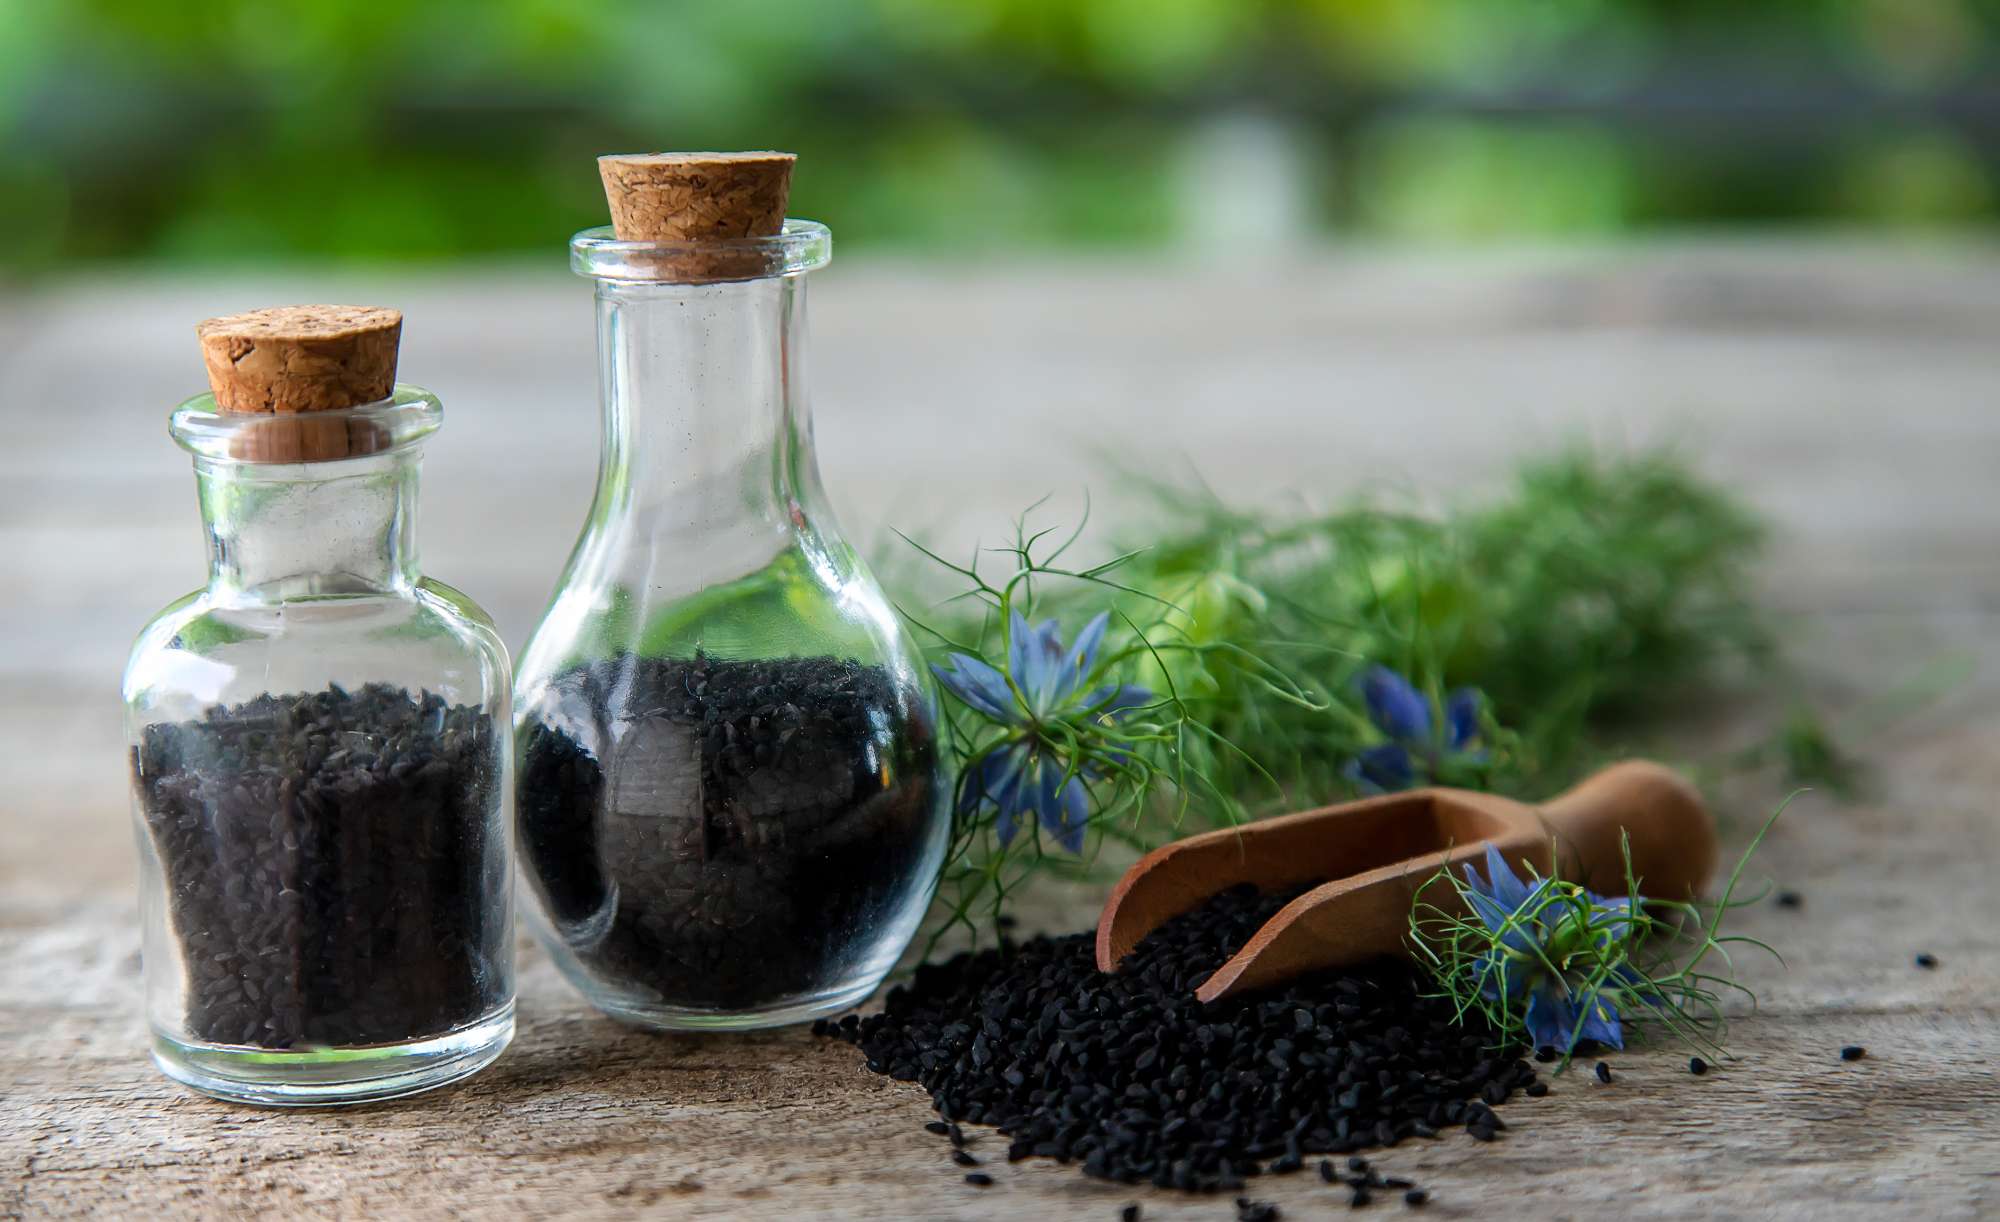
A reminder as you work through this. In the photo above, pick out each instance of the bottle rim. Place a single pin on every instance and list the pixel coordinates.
(406, 417)
(801, 246)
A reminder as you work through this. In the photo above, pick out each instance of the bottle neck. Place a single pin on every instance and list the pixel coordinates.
(284, 531)
(707, 434)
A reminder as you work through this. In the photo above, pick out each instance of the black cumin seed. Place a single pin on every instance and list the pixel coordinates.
(1130, 1213)
(709, 831)
(329, 860)
(1927, 960)
(1536, 1090)
(1357, 1164)
(1790, 899)
(1326, 1171)
(1416, 1196)
(1603, 1071)
(1853, 1052)
(979, 1179)
(1031, 1039)
(963, 1159)
(1697, 1066)
(938, 1127)
(1360, 1198)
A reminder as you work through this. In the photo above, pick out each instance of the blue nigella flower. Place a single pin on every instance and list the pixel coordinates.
(1025, 775)
(1543, 952)
(1413, 750)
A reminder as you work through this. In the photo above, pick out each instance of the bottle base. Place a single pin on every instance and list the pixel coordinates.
(334, 1076)
(786, 1012)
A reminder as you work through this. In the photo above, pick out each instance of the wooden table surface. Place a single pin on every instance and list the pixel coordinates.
(1850, 391)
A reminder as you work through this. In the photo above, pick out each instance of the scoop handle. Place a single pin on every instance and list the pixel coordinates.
(1672, 835)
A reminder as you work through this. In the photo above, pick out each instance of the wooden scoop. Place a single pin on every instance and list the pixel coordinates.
(1374, 855)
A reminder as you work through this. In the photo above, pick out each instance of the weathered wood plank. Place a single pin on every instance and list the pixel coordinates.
(1848, 390)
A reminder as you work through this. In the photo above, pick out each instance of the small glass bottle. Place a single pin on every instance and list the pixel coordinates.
(320, 744)
(730, 806)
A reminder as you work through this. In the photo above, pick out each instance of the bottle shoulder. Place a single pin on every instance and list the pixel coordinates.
(453, 605)
(203, 650)
(804, 597)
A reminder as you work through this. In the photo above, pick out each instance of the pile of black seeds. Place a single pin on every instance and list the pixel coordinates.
(335, 866)
(722, 834)
(1131, 1077)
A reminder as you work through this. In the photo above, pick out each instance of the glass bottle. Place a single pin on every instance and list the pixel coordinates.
(321, 772)
(730, 807)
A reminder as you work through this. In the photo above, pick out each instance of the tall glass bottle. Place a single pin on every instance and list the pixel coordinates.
(729, 808)
(321, 761)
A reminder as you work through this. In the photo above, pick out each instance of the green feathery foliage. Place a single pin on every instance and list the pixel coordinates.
(1594, 591)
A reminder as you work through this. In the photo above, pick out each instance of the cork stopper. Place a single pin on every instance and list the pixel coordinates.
(695, 198)
(291, 361)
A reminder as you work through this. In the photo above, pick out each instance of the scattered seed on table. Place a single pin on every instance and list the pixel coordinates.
(1416, 1196)
(1248, 1210)
(956, 1134)
(1326, 1171)
(1853, 1052)
(1927, 960)
(1603, 1072)
(1032, 1039)
(1697, 1066)
(1357, 1163)
(979, 1179)
(1130, 1213)
(963, 1159)
(1790, 899)
(1360, 1198)
(937, 1126)
(1535, 1090)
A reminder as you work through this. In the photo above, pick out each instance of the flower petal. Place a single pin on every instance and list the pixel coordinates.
(979, 686)
(1461, 719)
(1506, 885)
(1006, 823)
(998, 780)
(1500, 979)
(1383, 768)
(1075, 813)
(1034, 655)
(1600, 1023)
(1550, 1020)
(990, 779)
(1061, 813)
(1399, 709)
(1021, 651)
(1117, 697)
(1083, 655)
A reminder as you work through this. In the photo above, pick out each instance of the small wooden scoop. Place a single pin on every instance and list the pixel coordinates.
(1379, 852)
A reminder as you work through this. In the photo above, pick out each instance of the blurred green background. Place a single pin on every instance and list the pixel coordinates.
(235, 131)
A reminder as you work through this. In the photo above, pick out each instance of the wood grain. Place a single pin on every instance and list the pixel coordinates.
(1848, 390)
